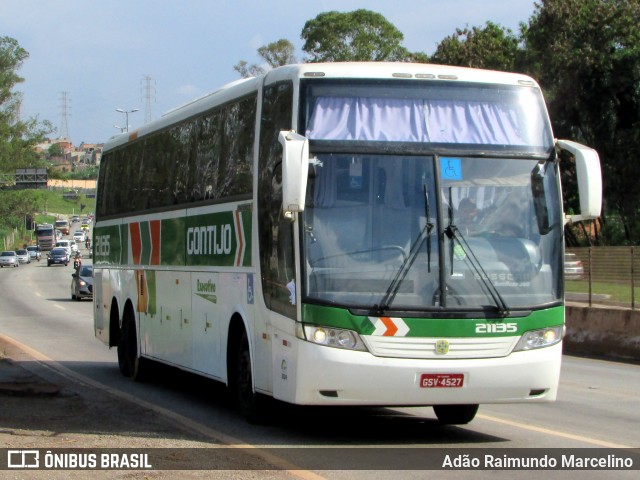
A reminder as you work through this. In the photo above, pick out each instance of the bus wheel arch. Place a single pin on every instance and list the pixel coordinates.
(252, 405)
(130, 360)
(114, 324)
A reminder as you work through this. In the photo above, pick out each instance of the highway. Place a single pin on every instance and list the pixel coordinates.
(598, 404)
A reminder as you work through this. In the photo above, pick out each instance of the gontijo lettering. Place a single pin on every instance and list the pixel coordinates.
(209, 240)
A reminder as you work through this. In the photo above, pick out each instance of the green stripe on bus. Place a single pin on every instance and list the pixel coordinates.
(214, 239)
(434, 327)
(172, 246)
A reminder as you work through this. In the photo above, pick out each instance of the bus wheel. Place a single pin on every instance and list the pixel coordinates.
(253, 406)
(130, 363)
(455, 414)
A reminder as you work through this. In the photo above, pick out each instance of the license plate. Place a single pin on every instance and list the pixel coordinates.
(441, 380)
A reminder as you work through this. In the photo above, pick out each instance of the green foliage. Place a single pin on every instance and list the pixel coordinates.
(16, 137)
(15, 206)
(361, 35)
(275, 54)
(55, 150)
(278, 53)
(492, 47)
(586, 55)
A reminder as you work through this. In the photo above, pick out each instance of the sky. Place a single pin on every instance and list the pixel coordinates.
(88, 58)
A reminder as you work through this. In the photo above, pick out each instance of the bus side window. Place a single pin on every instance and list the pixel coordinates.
(275, 231)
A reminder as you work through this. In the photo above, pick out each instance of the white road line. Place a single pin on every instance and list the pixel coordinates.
(555, 433)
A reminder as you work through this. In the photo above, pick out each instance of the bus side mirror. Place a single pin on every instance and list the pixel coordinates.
(589, 180)
(540, 198)
(295, 169)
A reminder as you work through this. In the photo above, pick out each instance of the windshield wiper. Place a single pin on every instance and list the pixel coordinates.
(454, 233)
(425, 233)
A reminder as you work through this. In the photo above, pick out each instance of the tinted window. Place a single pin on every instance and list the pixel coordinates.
(276, 232)
(209, 157)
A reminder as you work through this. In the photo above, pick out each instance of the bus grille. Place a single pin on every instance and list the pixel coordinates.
(407, 347)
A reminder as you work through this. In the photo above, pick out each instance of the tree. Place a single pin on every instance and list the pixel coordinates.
(361, 35)
(15, 206)
(16, 137)
(586, 56)
(275, 54)
(492, 47)
(55, 150)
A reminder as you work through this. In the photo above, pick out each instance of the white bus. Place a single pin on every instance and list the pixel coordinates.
(344, 234)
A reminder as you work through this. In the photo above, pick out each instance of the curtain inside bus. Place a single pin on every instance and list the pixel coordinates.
(423, 120)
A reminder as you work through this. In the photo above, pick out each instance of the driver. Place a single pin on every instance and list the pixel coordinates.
(467, 215)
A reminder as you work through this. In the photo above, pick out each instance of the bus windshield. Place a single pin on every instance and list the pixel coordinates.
(378, 232)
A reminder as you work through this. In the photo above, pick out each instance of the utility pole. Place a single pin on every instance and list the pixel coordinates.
(149, 97)
(64, 114)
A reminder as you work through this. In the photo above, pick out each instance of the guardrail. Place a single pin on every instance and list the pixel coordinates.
(610, 276)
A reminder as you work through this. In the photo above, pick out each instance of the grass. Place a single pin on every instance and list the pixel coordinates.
(617, 292)
(51, 201)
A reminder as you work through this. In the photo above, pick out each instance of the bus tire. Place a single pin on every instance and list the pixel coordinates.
(129, 360)
(455, 414)
(253, 406)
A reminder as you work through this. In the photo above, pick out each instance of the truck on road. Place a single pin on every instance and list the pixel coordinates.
(62, 224)
(45, 236)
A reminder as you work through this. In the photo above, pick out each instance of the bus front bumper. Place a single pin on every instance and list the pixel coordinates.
(318, 375)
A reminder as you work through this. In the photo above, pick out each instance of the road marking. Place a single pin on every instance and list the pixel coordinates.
(227, 440)
(555, 433)
(59, 306)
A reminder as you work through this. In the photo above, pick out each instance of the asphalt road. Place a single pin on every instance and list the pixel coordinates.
(597, 408)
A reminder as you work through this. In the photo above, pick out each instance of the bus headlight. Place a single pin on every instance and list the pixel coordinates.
(333, 337)
(545, 337)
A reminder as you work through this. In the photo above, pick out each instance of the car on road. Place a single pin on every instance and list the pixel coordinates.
(69, 245)
(573, 269)
(34, 252)
(58, 256)
(23, 255)
(82, 282)
(9, 259)
(84, 225)
(79, 236)
(75, 218)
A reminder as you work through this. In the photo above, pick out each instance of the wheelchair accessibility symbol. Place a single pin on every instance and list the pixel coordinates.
(450, 168)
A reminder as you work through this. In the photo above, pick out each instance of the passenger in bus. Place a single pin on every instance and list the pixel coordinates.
(467, 215)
